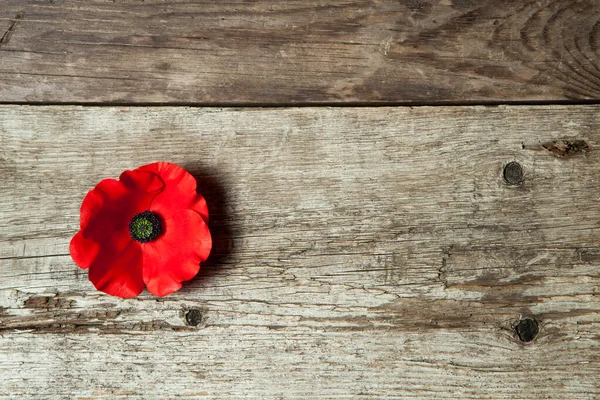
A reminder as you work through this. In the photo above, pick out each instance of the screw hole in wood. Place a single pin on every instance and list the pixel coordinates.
(513, 173)
(193, 317)
(527, 329)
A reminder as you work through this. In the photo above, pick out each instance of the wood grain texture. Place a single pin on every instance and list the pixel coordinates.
(299, 51)
(359, 253)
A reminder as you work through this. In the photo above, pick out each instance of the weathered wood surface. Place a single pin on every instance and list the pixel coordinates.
(359, 252)
(299, 51)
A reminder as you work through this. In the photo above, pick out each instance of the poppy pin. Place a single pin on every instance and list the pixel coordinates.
(147, 229)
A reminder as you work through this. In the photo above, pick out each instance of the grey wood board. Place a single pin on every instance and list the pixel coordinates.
(359, 253)
(298, 51)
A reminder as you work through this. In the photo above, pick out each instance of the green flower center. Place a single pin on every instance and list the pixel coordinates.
(145, 227)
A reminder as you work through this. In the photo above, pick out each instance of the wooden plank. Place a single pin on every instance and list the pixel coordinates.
(359, 252)
(299, 51)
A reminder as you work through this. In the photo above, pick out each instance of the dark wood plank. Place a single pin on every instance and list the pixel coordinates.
(359, 253)
(299, 51)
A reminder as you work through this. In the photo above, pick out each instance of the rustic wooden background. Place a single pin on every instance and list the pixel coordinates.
(433, 235)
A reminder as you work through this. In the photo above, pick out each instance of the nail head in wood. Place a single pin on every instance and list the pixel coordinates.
(193, 317)
(527, 329)
(513, 173)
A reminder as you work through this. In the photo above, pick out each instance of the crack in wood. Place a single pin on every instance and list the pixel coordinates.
(11, 28)
(32, 257)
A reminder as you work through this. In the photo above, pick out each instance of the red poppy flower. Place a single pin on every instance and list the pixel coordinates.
(149, 227)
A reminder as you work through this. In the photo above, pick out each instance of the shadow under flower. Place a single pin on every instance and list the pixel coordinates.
(220, 223)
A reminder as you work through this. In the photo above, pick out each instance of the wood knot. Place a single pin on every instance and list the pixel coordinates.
(513, 173)
(193, 317)
(565, 148)
(527, 329)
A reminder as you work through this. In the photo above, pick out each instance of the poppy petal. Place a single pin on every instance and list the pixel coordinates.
(172, 175)
(199, 205)
(141, 181)
(179, 192)
(117, 269)
(112, 204)
(97, 197)
(176, 255)
(83, 251)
